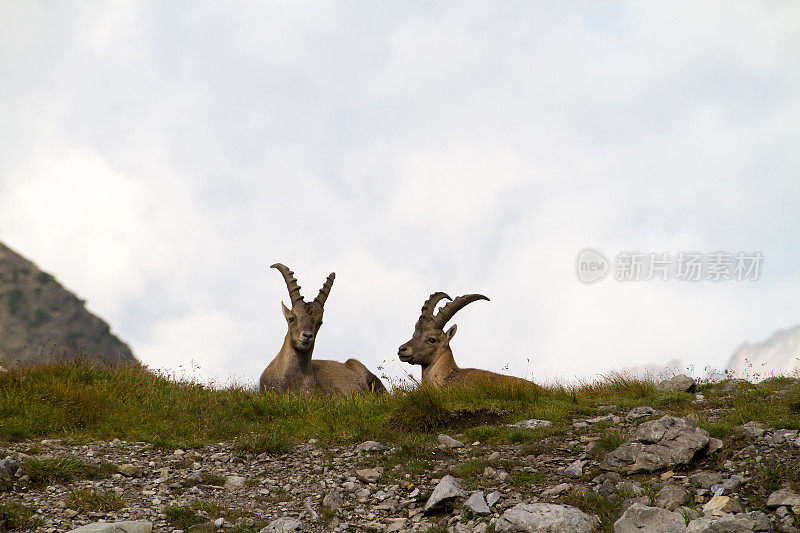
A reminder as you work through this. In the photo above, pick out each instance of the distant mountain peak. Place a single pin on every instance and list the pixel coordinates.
(779, 354)
(41, 321)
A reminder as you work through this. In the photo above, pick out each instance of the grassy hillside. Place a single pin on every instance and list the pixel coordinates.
(82, 402)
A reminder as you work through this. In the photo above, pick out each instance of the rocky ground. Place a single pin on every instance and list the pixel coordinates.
(631, 470)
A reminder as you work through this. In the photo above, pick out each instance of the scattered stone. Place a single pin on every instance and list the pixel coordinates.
(641, 412)
(369, 475)
(371, 446)
(658, 444)
(234, 482)
(679, 383)
(494, 458)
(706, 480)
(449, 441)
(714, 445)
(727, 486)
(448, 488)
(493, 498)
(536, 517)
(638, 518)
(753, 429)
(552, 492)
(130, 470)
(283, 525)
(116, 527)
(531, 424)
(575, 470)
(731, 523)
(670, 497)
(333, 501)
(720, 505)
(477, 503)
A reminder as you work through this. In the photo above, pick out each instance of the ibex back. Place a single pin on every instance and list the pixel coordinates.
(430, 347)
(293, 369)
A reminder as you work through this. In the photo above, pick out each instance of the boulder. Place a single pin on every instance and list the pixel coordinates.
(730, 523)
(371, 446)
(639, 517)
(784, 496)
(448, 488)
(333, 501)
(450, 442)
(679, 383)
(670, 497)
(658, 444)
(369, 475)
(720, 505)
(543, 517)
(477, 503)
(642, 411)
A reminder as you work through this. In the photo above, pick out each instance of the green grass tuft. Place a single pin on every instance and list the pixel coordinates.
(16, 517)
(95, 500)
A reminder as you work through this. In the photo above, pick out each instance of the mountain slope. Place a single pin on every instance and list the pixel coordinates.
(41, 321)
(779, 354)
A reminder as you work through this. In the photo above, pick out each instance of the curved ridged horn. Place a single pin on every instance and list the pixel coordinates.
(430, 305)
(291, 283)
(325, 290)
(447, 312)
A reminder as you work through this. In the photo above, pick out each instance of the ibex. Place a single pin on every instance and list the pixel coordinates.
(293, 369)
(430, 347)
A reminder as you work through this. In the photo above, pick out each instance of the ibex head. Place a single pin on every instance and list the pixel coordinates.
(429, 338)
(304, 318)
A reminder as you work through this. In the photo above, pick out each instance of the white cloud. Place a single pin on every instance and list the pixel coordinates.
(159, 159)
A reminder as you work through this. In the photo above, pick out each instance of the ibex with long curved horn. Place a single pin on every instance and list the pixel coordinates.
(430, 346)
(293, 368)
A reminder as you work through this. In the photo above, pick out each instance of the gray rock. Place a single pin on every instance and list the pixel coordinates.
(130, 470)
(477, 503)
(369, 475)
(642, 411)
(371, 446)
(714, 445)
(139, 526)
(494, 458)
(706, 480)
(235, 482)
(493, 498)
(531, 424)
(333, 501)
(720, 505)
(283, 525)
(680, 383)
(543, 517)
(753, 429)
(642, 500)
(638, 518)
(448, 488)
(670, 497)
(449, 441)
(575, 470)
(727, 486)
(552, 492)
(785, 497)
(731, 523)
(658, 444)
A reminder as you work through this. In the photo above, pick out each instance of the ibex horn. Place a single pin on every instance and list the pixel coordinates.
(430, 305)
(447, 312)
(325, 290)
(291, 283)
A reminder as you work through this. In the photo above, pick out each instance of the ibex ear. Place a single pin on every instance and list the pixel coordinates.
(451, 332)
(286, 311)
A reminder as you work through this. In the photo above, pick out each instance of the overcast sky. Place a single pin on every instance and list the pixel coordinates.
(157, 157)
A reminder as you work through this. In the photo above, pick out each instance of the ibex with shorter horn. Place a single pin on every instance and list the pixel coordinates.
(430, 347)
(293, 368)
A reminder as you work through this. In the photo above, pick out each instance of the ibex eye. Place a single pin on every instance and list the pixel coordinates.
(431, 339)
(291, 319)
